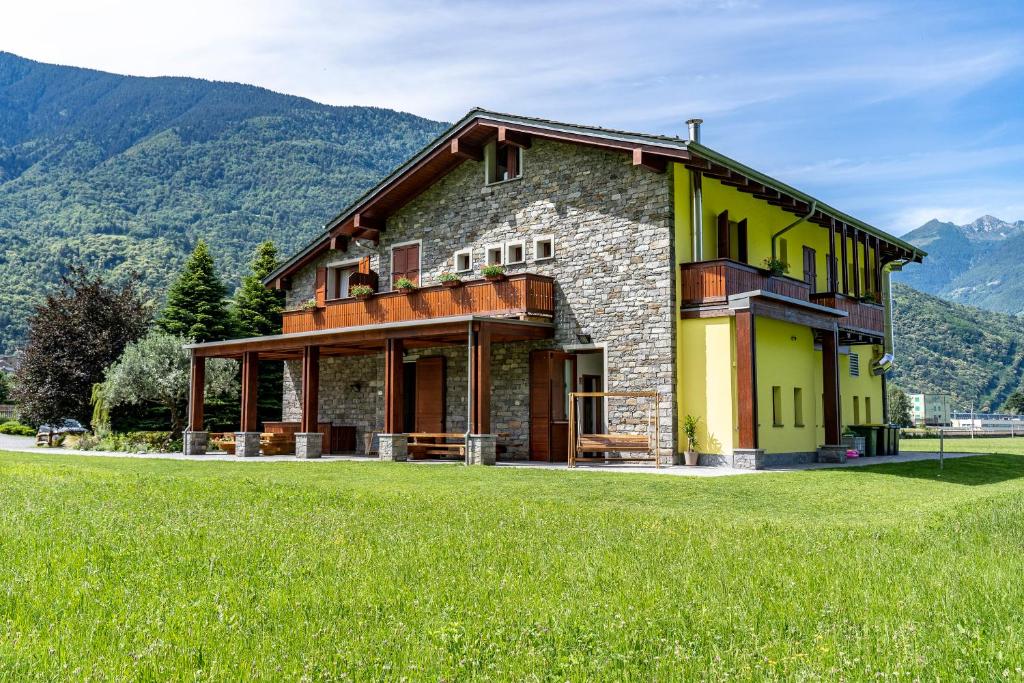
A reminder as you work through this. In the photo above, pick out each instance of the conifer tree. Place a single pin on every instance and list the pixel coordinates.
(258, 308)
(195, 306)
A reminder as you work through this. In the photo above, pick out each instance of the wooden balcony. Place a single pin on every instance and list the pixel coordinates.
(710, 282)
(862, 316)
(518, 296)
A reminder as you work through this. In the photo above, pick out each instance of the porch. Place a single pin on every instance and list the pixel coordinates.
(369, 367)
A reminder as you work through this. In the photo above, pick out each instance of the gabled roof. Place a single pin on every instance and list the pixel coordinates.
(366, 216)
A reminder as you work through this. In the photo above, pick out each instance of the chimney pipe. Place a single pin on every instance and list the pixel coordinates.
(694, 126)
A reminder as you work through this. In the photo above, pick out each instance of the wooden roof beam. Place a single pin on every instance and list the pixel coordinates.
(648, 161)
(515, 138)
(466, 150)
(362, 222)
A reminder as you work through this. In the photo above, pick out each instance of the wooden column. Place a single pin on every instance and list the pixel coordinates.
(482, 380)
(830, 385)
(746, 379)
(845, 265)
(394, 421)
(310, 390)
(833, 266)
(250, 382)
(197, 395)
(878, 268)
(856, 264)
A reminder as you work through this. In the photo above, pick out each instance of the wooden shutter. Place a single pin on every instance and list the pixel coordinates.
(540, 405)
(412, 263)
(810, 268)
(364, 265)
(321, 286)
(430, 395)
(723, 235)
(741, 237)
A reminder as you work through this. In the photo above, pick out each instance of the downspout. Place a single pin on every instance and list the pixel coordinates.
(798, 221)
(697, 202)
(888, 269)
(469, 388)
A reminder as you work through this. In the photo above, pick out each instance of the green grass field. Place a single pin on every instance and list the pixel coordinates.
(156, 570)
(1014, 446)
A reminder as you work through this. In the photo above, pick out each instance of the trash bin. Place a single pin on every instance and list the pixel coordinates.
(883, 440)
(870, 435)
(894, 443)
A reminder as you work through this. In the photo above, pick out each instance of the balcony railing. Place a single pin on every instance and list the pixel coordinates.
(713, 282)
(518, 295)
(863, 316)
(707, 282)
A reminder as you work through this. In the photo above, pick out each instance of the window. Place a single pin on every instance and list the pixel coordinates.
(854, 364)
(867, 410)
(776, 406)
(544, 248)
(515, 252)
(405, 262)
(494, 254)
(338, 276)
(504, 162)
(784, 250)
(798, 407)
(856, 410)
(463, 260)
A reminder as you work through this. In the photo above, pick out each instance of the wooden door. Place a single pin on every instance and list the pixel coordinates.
(430, 394)
(549, 422)
(811, 268)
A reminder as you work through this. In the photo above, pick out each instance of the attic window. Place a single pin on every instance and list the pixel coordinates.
(504, 162)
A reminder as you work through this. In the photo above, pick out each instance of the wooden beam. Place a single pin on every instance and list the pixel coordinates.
(310, 419)
(366, 234)
(394, 420)
(746, 379)
(339, 242)
(845, 263)
(515, 138)
(363, 222)
(197, 394)
(856, 264)
(250, 384)
(831, 407)
(833, 265)
(466, 150)
(282, 283)
(482, 380)
(648, 161)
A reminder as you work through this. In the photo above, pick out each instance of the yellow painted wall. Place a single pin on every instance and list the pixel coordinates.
(707, 380)
(786, 358)
(866, 385)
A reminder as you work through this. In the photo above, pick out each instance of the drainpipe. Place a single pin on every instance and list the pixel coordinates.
(469, 388)
(696, 197)
(798, 221)
(887, 270)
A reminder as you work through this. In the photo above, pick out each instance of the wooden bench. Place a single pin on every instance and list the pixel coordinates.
(433, 445)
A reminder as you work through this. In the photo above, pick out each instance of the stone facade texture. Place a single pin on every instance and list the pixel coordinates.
(612, 227)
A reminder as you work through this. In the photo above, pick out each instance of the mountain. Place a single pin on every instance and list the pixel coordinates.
(125, 174)
(977, 263)
(968, 352)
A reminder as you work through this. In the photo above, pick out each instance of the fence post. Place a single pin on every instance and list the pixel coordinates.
(942, 446)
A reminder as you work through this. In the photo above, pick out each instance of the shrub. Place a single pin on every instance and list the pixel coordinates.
(776, 266)
(129, 442)
(360, 290)
(405, 283)
(16, 428)
(450, 277)
(492, 270)
(308, 305)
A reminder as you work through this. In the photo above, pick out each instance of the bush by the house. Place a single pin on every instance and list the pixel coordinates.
(16, 428)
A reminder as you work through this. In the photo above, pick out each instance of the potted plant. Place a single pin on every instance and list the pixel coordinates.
(690, 429)
(361, 292)
(776, 266)
(493, 272)
(450, 280)
(405, 285)
(308, 305)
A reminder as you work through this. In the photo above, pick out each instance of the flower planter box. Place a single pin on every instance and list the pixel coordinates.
(495, 278)
(451, 284)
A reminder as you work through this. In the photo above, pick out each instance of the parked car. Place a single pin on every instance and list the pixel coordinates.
(65, 426)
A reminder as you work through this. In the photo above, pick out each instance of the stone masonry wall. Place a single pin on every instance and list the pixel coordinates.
(612, 225)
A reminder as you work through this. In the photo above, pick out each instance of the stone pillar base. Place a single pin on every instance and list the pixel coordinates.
(247, 444)
(482, 449)
(196, 443)
(832, 454)
(748, 458)
(393, 447)
(308, 444)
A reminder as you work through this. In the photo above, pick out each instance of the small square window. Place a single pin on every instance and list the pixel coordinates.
(544, 248)
(494, 255)
(515, 252)
(463, 260)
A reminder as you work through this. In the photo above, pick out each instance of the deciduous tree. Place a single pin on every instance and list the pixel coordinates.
(1015, 403)
(79, 330)
(899, 407)
(155, 370)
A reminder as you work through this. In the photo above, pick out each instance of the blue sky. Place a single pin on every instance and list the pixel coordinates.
(895, 112)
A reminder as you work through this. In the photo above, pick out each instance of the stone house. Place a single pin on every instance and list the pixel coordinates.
(615, 269)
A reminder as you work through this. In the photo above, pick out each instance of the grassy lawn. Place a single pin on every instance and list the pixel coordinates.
(156, 570)
(1014, 446)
